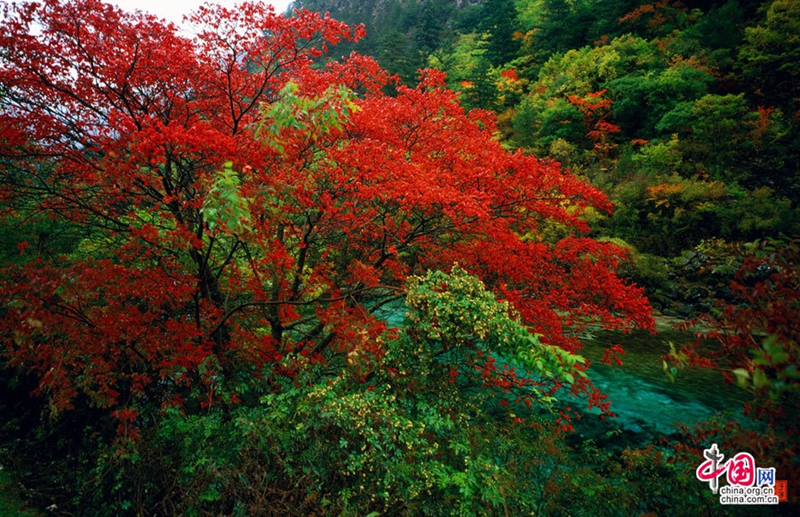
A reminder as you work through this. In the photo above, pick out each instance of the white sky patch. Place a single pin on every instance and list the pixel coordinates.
(174, 10)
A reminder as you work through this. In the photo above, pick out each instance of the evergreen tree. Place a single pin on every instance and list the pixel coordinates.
(397, 54)
(428, 34)
(500, 23)
(563, 26)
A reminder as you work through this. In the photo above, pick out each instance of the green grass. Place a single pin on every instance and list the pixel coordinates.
(10, 504)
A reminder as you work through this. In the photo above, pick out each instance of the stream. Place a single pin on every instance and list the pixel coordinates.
(647, 403)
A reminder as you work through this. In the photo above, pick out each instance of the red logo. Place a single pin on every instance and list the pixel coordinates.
(782, 490)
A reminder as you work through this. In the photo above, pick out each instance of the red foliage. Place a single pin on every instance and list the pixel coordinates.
(759, 334)
(118, 124)
(655, 16)
(612, 355)
(510, 74)
(595, 111)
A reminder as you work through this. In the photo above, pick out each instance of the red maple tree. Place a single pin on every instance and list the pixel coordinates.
(242, 202)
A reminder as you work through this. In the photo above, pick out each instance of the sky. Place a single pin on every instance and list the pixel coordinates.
(173, 10)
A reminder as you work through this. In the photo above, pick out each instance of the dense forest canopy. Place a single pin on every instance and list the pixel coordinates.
(289, 265)
(684, 113)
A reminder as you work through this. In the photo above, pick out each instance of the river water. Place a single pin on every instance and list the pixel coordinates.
(647, 403)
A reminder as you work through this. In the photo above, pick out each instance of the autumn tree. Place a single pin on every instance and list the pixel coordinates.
(242, 214)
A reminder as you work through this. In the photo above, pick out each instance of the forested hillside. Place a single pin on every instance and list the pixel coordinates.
(360, 263)
(684, 113)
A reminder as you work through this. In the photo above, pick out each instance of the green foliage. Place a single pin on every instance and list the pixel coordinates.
(761, 211)
(315, 116)
(10, 504)
(540, 122)
(429, 33)
(716, 34)
(24, 238)
(558, 26)
(224, 206)
(647, 100)
(718, 132)
(658, 159)
(461, 59)
(639, 79)
(771, 52)
(410, 435)
(456, 317)
(343, 447)
(645, 270)
(665, 93)
(666, 214)
(396, 54)
(683, 208)
(772, 356)
(498, 21)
